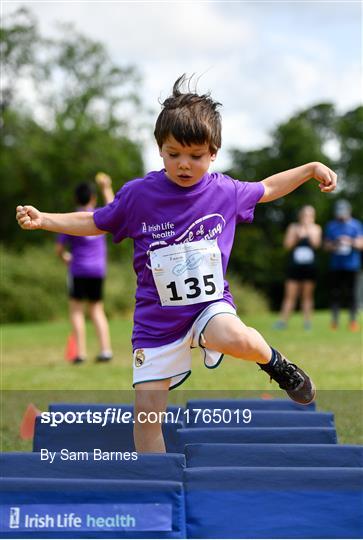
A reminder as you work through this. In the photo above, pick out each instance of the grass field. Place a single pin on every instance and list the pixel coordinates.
(33, 370)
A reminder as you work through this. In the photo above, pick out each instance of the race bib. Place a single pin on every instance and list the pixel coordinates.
(303, 255)
(188, 273)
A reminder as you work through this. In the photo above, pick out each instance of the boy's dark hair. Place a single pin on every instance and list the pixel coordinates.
(84, 192)
(189, 118)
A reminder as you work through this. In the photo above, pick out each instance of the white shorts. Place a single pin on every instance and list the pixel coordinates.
(174, 359)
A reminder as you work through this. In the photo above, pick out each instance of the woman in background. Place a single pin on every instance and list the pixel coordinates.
(302, 239)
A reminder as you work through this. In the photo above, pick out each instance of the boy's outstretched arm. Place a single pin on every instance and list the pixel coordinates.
(74, 223)
(282, 183)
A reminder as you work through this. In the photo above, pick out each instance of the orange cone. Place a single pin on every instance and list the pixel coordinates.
(71, 351)
(26, 429)
(266, 395)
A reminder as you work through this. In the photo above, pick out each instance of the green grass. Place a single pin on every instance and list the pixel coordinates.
(33, 370)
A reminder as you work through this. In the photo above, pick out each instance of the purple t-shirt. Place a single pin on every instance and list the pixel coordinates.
(89, 254)
(155, 212)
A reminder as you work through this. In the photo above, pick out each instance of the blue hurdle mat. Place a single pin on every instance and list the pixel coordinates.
(91, 509)
(274, 502)
(253, 404)
(87, 436)
(257, 435)
(81, 407)
(236, 418)
(273, 455)
(145, 467)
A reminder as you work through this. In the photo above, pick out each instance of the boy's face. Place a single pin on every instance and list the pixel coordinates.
(185, 165)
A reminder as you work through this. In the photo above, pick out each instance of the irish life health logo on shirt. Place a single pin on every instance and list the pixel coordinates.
(207, 227)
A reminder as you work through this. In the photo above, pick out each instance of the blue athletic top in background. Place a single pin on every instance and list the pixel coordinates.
(347, 258)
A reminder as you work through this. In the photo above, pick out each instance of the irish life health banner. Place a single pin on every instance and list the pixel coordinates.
(86, 517)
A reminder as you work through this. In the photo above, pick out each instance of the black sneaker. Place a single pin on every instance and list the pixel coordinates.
(78, 360)
(102, 358)
(297, 384)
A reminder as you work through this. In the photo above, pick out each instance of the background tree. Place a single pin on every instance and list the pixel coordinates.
(69, 111)
(350, 133)
(258, 256)
(75, 118)
(20, 45)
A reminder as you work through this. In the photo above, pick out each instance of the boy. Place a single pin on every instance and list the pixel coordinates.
(182, 220)
(87, 269)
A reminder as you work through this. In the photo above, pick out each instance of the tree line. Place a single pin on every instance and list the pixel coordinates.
(307, 136)
(67, 112)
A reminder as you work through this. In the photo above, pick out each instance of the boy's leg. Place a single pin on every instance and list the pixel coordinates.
(229, 335)
(99, 319)
(150, 397)
(76, 313)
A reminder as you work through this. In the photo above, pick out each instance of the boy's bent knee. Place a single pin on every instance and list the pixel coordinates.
(237, 340)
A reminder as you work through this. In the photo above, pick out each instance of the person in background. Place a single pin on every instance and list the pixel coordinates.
(344, 240)
(302, 239)
(86, 257)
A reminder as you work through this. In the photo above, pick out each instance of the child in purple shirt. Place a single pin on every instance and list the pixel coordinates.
(182, 220)
(86, 257)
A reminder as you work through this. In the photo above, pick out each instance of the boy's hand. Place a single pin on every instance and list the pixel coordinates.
(103, 180)
(29, 218)
(326, 177)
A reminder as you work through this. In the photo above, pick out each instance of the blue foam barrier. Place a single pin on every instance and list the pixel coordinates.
(248, 418)
(274, 502)
(81, 407)
(88, 465)
(257, 435)
(59, 508)
(253, 404)
(87, 436)
(273, 455)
